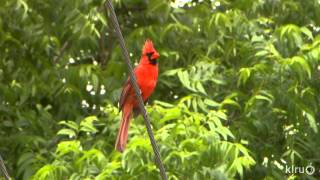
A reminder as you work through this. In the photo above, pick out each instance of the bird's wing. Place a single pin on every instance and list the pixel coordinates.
(127, 88)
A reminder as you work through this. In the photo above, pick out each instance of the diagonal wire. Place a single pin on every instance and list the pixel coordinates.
(3, 169)
(125, 53)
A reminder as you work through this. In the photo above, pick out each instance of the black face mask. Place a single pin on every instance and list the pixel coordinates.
(152, 61)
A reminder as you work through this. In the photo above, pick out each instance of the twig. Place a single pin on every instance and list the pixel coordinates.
(61, 51)
(108, 5)
(102, 53)
(4, 169)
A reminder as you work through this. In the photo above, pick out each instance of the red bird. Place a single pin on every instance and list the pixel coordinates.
(147, 75)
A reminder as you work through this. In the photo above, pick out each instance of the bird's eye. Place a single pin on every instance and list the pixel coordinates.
(149, 55)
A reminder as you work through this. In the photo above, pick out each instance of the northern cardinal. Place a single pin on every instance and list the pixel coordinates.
(147, 75)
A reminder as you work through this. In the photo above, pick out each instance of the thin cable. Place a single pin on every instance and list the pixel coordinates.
(3, 169)
(125, 53)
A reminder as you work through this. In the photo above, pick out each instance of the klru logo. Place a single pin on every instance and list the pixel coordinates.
(299, 169)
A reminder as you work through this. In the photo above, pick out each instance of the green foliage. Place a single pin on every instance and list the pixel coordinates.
(237, 96)
(203, 140)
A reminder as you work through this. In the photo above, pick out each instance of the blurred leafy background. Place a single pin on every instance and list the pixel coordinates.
(237, 97)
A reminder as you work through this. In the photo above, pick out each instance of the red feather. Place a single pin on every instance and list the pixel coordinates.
(147, 75)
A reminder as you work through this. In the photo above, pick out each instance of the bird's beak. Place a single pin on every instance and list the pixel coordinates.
(155, 55)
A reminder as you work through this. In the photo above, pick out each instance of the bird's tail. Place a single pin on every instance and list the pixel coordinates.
(124, 127)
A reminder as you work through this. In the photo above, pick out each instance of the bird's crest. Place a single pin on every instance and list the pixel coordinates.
(148, 47)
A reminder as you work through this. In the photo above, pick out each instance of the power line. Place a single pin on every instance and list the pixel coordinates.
(4, 170)
(114, 20)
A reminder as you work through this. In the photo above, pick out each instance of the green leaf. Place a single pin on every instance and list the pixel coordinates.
(311, 120)
(87, 125)
(200, 87)
(262, 53)
(66, 147)
(172, 113)
(307, 32)
(70, 124)
(303, 63)
(212, 103)
(69, 132)
(244, 76)
(184, 79)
